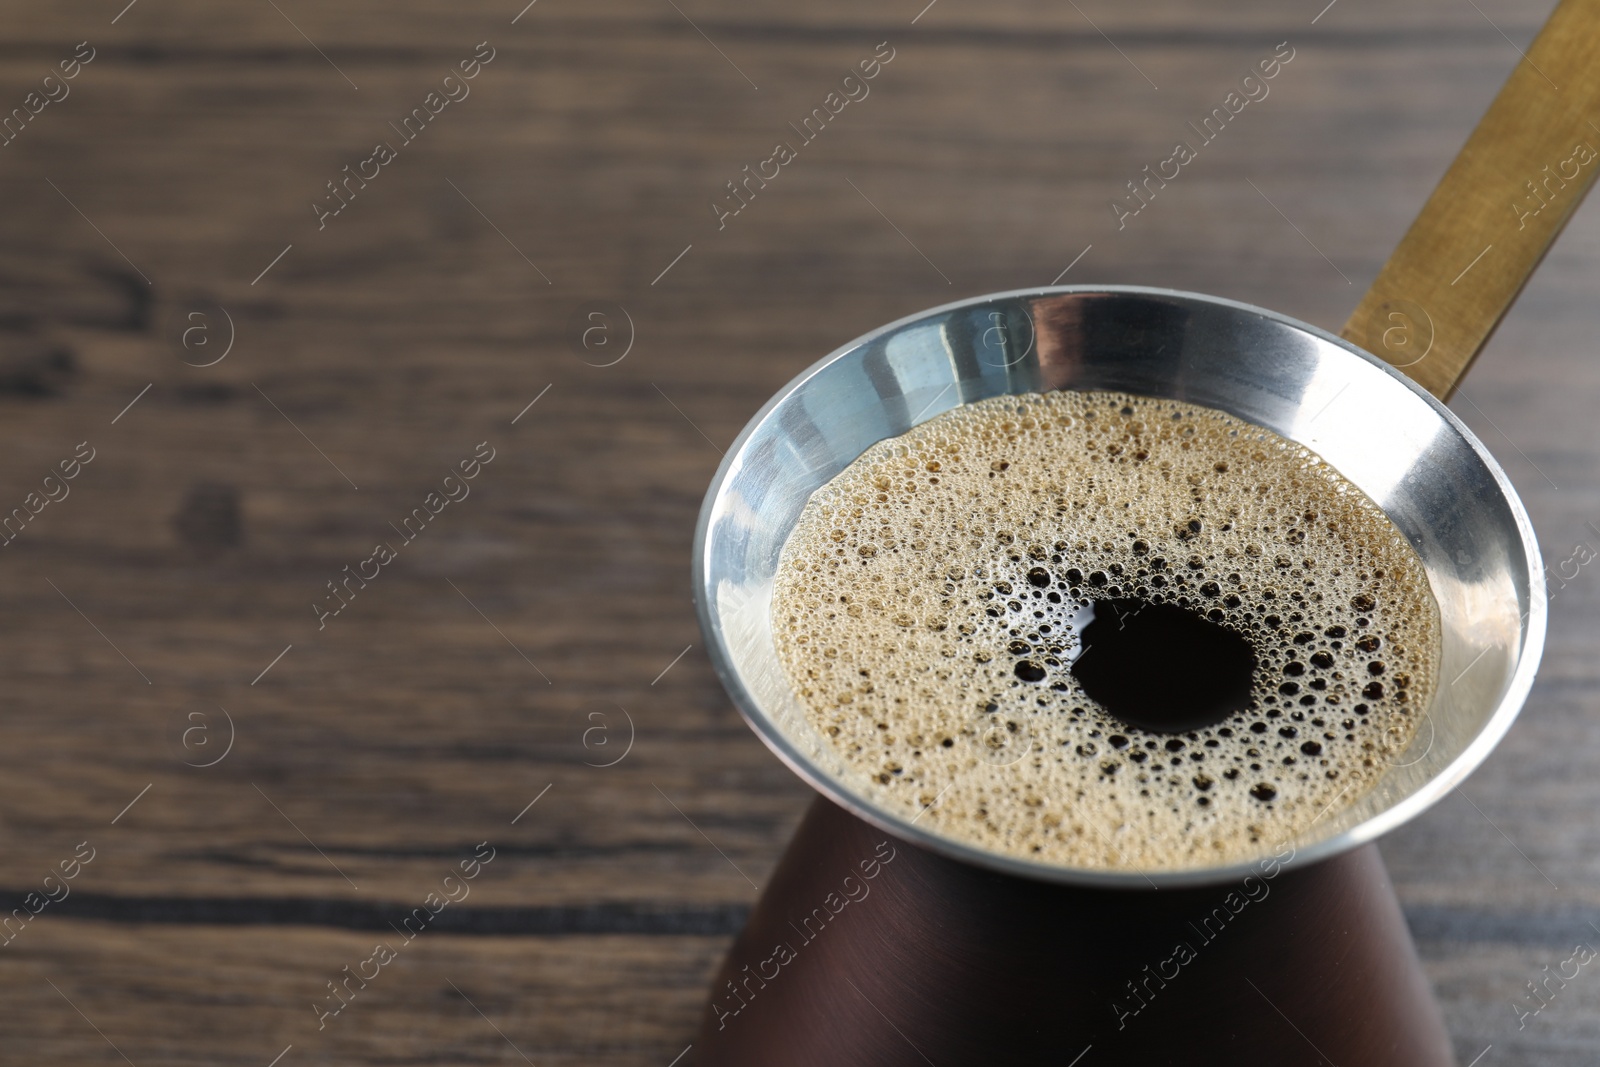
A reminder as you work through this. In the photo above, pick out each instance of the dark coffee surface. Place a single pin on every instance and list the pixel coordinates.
(1162, 668)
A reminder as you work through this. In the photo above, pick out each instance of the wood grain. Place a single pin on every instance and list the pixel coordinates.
(384, 747)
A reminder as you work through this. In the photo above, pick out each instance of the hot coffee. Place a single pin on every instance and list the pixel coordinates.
(1106, 631)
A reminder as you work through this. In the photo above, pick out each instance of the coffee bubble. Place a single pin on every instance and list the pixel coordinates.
(946, 605)
(999, 740)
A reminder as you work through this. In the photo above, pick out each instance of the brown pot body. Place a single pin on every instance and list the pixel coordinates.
(864, 950)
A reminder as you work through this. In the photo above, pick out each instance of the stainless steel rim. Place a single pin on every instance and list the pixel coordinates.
(1510, 703)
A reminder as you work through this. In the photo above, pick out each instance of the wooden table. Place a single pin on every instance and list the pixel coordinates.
(165, 606)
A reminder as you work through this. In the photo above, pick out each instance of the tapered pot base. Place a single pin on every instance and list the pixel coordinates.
(864, 950)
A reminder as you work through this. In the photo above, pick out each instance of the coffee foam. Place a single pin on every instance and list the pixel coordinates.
(916, 581)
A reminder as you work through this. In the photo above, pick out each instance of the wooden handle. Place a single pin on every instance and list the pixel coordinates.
(1487, 225)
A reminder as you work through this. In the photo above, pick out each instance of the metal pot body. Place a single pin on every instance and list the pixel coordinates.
(865, 951)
